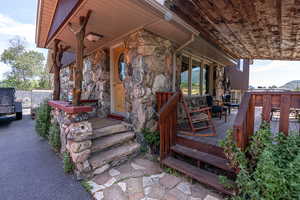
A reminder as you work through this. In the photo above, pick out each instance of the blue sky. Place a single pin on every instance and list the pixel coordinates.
(17, 18)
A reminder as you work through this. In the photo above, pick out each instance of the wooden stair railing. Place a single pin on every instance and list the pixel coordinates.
(173, 147)
(168, 124)
(244, 123)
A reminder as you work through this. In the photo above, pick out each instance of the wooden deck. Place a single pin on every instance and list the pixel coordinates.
(222, 126)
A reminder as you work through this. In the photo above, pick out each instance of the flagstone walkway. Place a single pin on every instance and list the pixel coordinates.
(142, 179)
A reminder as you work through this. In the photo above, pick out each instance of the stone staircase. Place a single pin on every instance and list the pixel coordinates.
(113, 142)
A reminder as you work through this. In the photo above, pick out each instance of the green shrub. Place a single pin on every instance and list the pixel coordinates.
(269, 168)
(153, 139)
(43, 119)
(54, 136)
(68, 164)
(86, 186)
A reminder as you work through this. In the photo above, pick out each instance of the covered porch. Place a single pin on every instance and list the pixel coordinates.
(222, 127)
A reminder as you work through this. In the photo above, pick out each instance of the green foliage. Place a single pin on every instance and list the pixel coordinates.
(68, 164)
(269, 168)
(86, 186)
(153, 140)
(171, 171)
(54, 136)
(43, 119)
(151, 137)
(27, 67)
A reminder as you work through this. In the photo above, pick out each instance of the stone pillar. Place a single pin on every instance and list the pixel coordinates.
(149, 70)
(75, 134)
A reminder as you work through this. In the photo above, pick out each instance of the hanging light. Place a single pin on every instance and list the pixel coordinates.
(93, 37)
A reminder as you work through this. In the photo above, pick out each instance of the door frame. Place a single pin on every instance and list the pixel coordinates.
(111, 78)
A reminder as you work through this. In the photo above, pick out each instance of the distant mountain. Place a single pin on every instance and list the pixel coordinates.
(292, 85)
(195, 76)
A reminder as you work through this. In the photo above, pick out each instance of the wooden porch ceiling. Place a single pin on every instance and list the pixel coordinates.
(256, 29)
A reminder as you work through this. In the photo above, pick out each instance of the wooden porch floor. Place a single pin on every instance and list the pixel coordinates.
(222, 127)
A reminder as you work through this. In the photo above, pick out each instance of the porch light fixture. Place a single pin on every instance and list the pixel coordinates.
(93, 37)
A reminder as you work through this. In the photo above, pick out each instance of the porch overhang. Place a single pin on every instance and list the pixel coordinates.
(246, 29)
(114, 20)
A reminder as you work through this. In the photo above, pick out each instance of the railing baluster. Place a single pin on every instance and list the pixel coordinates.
(250, 117)
(267, 107)
(285, 102)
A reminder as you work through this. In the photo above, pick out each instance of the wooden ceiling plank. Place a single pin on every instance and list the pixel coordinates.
(222, 28)
(186, 10)
(246, 36)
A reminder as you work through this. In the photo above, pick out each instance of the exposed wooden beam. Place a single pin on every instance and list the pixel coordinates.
(78, 76)
(57, 54)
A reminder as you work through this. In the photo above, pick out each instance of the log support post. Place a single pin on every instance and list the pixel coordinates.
(57, 54)
(78, 76)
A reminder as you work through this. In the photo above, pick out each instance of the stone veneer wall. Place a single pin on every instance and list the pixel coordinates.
(96, 82)
(220, 87)
(75, 136)
(149, 70)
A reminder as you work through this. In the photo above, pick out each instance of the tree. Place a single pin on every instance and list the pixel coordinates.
(28, 70)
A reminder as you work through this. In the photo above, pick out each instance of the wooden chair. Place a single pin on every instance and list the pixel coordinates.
(200, 117)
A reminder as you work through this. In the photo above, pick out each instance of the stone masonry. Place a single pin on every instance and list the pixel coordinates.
(149, 70)
(96, 82)
(75, 132)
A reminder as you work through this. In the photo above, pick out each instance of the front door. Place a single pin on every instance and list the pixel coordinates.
(118, 78)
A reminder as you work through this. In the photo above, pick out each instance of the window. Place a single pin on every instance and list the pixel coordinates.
(121, 67)
(196, 78)
(193, 77)
(241, 65)
(184, 76)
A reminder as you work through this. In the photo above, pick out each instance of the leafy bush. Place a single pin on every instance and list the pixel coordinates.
(68, 164)
(153, 139)
(54, 136)
(269, 168)
(86, 186)
(43, 119)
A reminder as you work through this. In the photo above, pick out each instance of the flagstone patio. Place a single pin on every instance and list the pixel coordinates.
(142, 179)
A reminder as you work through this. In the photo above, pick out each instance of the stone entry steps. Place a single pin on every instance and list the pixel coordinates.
(113, 141)
(102, 143)
(100, 159)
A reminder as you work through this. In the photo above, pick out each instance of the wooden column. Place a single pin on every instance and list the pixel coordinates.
(78, 76)
(56, 69)
(211, 80)
(57, 54)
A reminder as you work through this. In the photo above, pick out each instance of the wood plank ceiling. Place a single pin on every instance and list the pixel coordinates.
(254, 29)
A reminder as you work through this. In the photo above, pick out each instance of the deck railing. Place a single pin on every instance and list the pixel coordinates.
(244, 123)
(167, 105)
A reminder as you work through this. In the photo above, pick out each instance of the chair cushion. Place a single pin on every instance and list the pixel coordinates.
(200, 116)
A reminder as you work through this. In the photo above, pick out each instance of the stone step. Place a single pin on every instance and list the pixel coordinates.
(105, 157)
(108, 141)
(110, 130)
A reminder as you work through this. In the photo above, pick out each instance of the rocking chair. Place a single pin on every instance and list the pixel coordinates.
(198, 119)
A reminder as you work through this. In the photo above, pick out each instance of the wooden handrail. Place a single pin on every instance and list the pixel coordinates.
(242, 112)
(167, 121)
(164, 111)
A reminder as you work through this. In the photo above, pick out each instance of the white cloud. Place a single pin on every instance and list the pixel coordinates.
(268, 73)
(10, 28)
